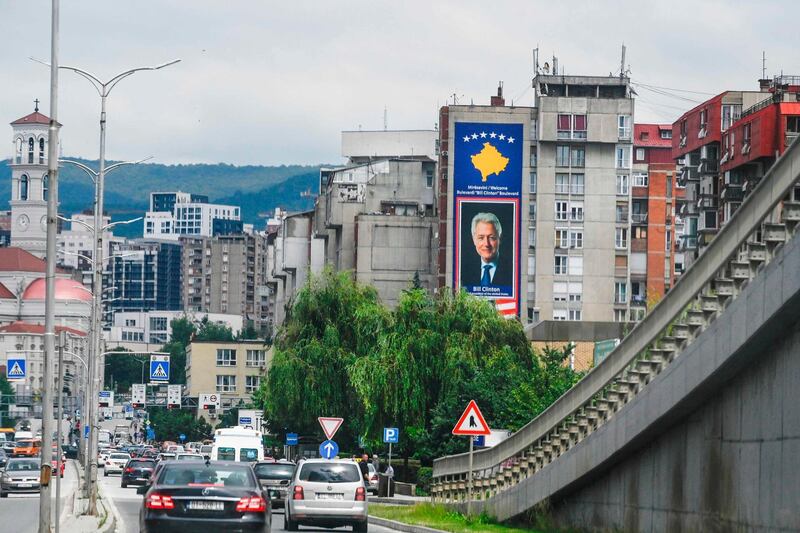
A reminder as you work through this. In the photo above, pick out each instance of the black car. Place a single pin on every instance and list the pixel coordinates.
(137, 472)
(275, 477)
(204, 496)
(71, 451)
(3, 458)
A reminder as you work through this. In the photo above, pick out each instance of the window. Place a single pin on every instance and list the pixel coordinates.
(639, 232)
(561, 210)
(255, 358)
(158, 323)
(560, 266)
(579, 126)
(226, 383)
(130, 322)
(622, 214)
(666, 134)
(560, 291)
(730, 114)
(793, 124)
(620, 315)
(622, 184)
(564, 126)
(703, 121)
(18, 150)
(577, 184)
(532, 211)
(41, 151)
(578, 156)
(23, 187)
(532, 237)
(576, 239)
(531, 265)
(624, 126)
(621, 238)
(562, 156)
(533, 183)
(576, 266)
(45, 186)
(559, 314)
(562, 238)
(226, 357)
(574, 314)
(576, 211)
(429, 179)
(623, 157)
(620, 292)
(30, 150)
(252, 383)
(669, 240)
(640, 154)
(562, 183)
(640, 179)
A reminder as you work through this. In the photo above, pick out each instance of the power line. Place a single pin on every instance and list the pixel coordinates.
(665, 93)
(672, 89)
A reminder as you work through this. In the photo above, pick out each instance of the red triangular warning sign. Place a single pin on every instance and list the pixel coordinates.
(471, 422)
(330, 425)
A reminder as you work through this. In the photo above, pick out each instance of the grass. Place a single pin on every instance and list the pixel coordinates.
(439, 517)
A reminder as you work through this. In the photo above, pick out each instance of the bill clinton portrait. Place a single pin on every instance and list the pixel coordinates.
(488, 265)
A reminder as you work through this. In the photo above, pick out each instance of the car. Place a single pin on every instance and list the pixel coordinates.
(372, 486)
(28, 448)
(189, 457)
(58, 466)
(175, 448)
(116, 463)
(8, 446)
(327, 493)
(137, 472)
(71, 451)
(204, 496)
(102, 457)
(275, 477)
(3, 458)
(165, 457)
(205, 450)
(20, 475)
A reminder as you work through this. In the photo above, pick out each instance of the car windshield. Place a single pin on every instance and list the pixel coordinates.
(120, 456)
(166, 456)
(248, 454)
(190, 457)
(330, 472)
(274, 471)
(226, 454)
(202, 475)
(25, 444)
(22, 466)
(141, 464)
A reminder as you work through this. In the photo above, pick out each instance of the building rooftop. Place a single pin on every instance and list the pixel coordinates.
(33, 118)
(66, 289)
(28, 327)
(649, 135)
(13, 259)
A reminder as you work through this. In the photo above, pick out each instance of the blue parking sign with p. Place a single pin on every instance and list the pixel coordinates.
(391, 435)
(16, 368)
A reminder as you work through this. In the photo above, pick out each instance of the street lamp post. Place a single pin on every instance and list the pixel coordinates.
(103, 89)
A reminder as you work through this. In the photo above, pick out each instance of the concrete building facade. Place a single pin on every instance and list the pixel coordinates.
(142, 331)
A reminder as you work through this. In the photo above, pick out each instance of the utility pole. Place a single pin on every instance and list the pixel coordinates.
(62, 340)
(45, 499)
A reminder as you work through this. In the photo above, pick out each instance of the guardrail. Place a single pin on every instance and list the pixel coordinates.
(745, 244)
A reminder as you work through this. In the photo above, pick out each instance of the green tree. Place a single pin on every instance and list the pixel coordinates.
(7, 393)
(169, 424)
(122, 369)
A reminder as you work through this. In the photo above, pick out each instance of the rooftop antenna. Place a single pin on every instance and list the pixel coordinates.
(536, 60)
(555, 65)
(385, 118)
(622, 63)
(763, 65)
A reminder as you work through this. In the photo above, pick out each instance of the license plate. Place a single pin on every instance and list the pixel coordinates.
(200, 505)
(330, 496)
(25, 485)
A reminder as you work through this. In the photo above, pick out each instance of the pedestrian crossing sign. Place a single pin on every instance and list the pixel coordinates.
(471, 422)
(159, 368)
(16, 368)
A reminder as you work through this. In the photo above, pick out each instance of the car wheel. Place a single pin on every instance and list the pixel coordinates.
(123, 485)
(289, 524)
(360, 527)
(105, 473)
(3, 495)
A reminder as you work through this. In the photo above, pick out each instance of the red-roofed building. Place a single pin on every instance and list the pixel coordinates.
(653, 224)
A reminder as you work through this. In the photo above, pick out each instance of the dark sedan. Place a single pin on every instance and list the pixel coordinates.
(204, 496)
(3, 458)
(275, 477)
(137, 472)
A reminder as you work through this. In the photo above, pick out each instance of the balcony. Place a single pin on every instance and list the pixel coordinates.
(687, 242)
(707, 201)
(639, 245)
(639, 300)
(639, 218)
(732, 194)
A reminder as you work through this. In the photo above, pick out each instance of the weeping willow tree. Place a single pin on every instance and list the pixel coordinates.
(342, 353)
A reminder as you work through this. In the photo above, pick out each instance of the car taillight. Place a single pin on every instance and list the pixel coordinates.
(159, 501)
(298, 493)
(373, 478)
(129, 470)
(256, 504)
(361, 494)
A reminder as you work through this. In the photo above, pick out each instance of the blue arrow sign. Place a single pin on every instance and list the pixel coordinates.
(391, 435)
(292, 439)
(182, 437)
(16, 369)
(328, 449)
(159, 368)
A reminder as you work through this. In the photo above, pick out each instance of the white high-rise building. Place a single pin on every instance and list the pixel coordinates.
(29, 183)
(179, 214)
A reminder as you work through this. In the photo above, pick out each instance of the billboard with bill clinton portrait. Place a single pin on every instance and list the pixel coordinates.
(487, 181)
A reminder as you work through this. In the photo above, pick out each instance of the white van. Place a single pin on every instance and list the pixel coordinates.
(237, 444)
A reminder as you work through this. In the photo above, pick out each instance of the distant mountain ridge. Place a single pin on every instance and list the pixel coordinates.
(257, 189)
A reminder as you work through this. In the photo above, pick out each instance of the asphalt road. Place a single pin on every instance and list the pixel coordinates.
(19, 513)
(128, 504)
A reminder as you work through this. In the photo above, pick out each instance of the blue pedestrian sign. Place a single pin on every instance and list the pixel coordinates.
(292, 439)
(86, 431)
(479, 440)
(182, 437)
(151, 434)
(391, 435)
(159, 368)
(16, 368)
(328, 449)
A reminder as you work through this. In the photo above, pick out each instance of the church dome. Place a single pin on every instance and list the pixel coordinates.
(66, 289)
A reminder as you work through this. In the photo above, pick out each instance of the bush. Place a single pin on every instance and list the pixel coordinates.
(424, 476)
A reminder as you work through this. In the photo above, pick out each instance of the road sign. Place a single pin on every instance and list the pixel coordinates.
(16, 368)
(330, 425)
(328, 449)
(138, 394)
(251, 419)
(159, 368)
(471, 422)
(151, 434)
(182, 437)
(209, 401)
(479, 440)
(391, 435)
(105, 398)
(292, 439)
(173, 396)
(86, 431)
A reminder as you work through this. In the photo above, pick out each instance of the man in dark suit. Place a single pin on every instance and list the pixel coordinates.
(487, 235)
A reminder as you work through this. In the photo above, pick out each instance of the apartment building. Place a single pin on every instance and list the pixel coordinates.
(233, 370)
(654, 262)
(143, 331)
(176, 214)
(227, 274)
(570, 249)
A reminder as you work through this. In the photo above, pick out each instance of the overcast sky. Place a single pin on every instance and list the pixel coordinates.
(275, 82)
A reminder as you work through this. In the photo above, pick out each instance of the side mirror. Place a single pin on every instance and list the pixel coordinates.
(142, 489)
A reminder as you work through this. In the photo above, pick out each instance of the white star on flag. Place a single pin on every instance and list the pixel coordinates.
(493, 135)
(483, 135)
(466, 138)
(502, 136)
(510, 140)
(474, 135)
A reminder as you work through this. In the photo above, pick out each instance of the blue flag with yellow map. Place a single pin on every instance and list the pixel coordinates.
(487, 159)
